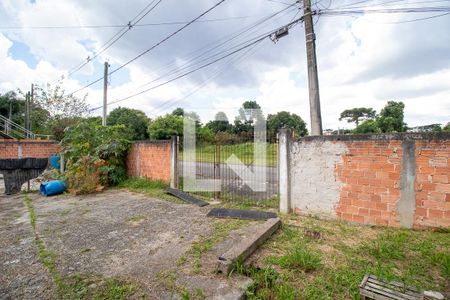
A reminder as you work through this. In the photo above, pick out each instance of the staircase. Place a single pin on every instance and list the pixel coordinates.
(11, 130)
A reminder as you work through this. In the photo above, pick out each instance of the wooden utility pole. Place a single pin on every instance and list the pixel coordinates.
(105, 93)
(313, 79)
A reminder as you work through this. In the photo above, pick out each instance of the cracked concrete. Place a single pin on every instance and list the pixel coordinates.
(113, 234)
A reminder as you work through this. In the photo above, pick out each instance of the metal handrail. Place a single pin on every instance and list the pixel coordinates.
(15, 130)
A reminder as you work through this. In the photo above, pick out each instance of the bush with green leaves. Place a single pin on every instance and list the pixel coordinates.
(95, 155)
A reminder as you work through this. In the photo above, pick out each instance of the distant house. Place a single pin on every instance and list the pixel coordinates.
(424, 128)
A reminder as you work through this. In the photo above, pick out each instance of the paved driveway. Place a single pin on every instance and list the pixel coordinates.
(115, 234)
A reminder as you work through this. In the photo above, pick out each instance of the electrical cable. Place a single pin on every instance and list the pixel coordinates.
(255, 41)
(152, 47)
(123, 25)
(233, 36)
(119, 34)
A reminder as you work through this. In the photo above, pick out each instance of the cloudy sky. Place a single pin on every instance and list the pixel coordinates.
(363, 60)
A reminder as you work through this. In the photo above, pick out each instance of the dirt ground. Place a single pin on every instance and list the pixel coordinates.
(115, 234)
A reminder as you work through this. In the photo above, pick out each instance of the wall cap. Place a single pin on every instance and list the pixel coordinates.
(439, 136)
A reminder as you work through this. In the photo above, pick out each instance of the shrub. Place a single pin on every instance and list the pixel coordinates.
(95, 156)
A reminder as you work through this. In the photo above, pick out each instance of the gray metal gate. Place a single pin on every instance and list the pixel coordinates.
(210, 164)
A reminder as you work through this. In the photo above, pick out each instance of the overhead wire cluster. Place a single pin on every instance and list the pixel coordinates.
(214, 52)
(227, 47)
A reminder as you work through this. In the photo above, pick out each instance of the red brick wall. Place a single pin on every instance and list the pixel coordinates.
(370, 174)
(368, 182)
(150, 159)
(30, 148)
(432, 185)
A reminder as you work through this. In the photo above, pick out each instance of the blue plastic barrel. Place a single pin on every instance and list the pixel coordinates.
(53, 187)
(54, 161)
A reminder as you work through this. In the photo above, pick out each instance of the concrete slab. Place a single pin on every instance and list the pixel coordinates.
(113, 234)
(254, 236)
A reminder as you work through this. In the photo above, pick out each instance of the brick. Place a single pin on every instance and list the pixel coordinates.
(434, 213)
(363, 212)
(358, 219)
(442, 187)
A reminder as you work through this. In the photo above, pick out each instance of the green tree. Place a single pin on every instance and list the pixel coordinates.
(446, 128)
(391, 117)
(178, 112)
(63, 109)
(368, 126)
(11, 101)
(11, 104)
(357, 114)
(243, 124)
(284, 119)
(163, 127)
(134, 120)
(220, 123)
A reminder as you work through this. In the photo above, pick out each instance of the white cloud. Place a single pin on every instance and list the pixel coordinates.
(361, 61)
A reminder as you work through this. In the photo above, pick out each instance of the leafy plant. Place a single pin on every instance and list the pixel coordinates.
(95, 155)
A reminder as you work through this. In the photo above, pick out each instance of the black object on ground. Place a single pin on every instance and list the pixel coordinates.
(241, 214)
(18, 171)
(186, 197)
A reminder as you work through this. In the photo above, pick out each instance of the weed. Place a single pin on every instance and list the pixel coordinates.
(136, 218)
(184, 293)
(152, 188)
(65, 212)
(388, 245)
(222, 229)
(301, 257)
(114, 289)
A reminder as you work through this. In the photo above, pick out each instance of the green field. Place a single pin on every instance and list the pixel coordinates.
(245, 152)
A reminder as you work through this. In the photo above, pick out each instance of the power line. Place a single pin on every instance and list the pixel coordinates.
(254, 41)
(396, 3)
(224, 69)
(415, 20)
(390, 10)
(123, 25)
(232, 37)
(154, 46)
(119, 34)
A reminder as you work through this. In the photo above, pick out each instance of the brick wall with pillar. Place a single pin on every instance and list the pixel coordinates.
(150, 159)
(399, 180)
(13, 149)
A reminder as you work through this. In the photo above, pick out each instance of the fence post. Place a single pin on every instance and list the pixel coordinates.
(174, 162)
(284, 142)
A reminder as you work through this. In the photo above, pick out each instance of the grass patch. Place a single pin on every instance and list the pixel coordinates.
(77, 286)
(333, 266)
(152, 188)
(243, 151)
(301, 257)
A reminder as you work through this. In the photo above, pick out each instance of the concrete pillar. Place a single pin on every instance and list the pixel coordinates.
(284, 145)
(19, 151)
(61, 162)
(174, 162)
(137, 159)
(406, 206)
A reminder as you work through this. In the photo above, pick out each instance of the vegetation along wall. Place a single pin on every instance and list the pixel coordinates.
(399, 180)
(27, 148)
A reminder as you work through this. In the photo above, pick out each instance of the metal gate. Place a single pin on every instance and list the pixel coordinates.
(210, 163)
